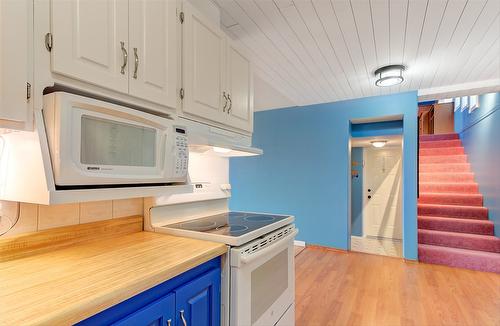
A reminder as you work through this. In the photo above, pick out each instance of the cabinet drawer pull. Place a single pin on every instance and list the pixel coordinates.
(136, 63)
(184, 322)
(169, 322)
(230, 103)
(125, 57)
(225, 103)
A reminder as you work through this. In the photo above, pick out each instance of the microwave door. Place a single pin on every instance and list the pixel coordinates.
(98, 143)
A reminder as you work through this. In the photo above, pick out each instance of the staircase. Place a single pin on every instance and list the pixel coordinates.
(453, 225)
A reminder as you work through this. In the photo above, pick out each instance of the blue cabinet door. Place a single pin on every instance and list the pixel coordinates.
(198, 302)
(158, 313)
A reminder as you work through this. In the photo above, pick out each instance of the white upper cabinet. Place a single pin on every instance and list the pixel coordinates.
(217, 77)
(127, 50)
(16, 64)
(153, 51)
(203, 66)
(91, 41)
(239, 88)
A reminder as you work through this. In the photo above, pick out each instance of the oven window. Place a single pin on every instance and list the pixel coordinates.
(107, 142)
(269, 282)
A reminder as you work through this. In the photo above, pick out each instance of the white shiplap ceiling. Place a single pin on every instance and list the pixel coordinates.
(315, 51)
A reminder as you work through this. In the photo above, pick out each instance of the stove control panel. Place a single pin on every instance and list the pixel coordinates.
(181, 152)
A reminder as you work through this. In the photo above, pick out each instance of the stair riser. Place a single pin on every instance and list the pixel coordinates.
(479, 262)
(438, 137)
(477, 213)
(457, 240)
(442, 151)
(445, 168)
(441, 143)
(449, 188)
(456, 225)
(450, 199)
(442, 159)
(446, 177)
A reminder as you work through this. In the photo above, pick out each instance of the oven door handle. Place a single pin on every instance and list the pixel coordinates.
(283, 242)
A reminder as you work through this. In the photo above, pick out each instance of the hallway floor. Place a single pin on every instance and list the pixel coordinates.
(336, 288)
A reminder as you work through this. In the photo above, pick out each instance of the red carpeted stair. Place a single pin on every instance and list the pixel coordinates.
(453, 225)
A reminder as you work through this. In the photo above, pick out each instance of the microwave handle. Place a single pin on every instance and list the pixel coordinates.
(272, 248)
(169, 146)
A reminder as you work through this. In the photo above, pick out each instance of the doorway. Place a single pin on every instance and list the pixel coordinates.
(376, 195)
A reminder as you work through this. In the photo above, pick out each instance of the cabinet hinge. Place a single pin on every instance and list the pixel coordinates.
(181, 93)
(49, 41)
(28, 91)
(181, 17)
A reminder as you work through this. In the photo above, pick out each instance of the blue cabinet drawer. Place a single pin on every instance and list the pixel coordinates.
(159, 313)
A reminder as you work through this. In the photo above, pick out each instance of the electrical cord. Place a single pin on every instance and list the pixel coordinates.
(12, 224)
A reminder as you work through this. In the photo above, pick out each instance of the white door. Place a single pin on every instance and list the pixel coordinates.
(240, 89)
(203, 66)
(91, 41)
(382, 192)
(16, 18)
(153, 51)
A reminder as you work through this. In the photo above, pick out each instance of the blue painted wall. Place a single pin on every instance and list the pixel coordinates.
(377, 129)
(305, 168)
(480, 134)
(357, 192)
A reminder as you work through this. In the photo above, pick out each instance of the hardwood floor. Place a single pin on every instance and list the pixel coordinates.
(334, 288)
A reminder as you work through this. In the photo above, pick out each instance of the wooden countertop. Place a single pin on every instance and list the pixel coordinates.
(69, 284)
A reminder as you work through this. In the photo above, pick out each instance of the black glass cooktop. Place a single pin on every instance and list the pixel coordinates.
(230, 223)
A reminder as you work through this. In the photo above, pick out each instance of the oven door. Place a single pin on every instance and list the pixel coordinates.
(263, 279)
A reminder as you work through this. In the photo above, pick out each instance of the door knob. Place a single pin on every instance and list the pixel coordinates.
(369, 190)
(369, 196)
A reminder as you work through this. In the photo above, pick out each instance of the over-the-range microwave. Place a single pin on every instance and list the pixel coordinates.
(96, 143)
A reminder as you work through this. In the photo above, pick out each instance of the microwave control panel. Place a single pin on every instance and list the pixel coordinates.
(181, 152)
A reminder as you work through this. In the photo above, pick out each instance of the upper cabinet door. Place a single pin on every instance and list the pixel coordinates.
(153, 51)
(16, 65)
(240, 89)
(91, 41)
(203, 66)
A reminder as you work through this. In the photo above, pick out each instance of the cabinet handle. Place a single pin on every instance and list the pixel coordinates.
(169, 322)
(136, 63)
(230, 103)
(125, 57)
(225, 103)
(184, 322)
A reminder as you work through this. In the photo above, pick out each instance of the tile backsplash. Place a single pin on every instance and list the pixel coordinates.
(34, 217)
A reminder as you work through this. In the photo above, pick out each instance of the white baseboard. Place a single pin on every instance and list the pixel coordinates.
(299, 243)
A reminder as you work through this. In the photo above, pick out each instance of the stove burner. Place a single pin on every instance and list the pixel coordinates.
(234, 228)
(259, 218)
(199, 225)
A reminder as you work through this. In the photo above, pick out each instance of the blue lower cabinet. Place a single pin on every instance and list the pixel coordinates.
(198, 302)
(196, 293)
(159, 313)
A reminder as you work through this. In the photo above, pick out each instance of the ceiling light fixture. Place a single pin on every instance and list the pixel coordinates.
(389, 75)
(378, 143)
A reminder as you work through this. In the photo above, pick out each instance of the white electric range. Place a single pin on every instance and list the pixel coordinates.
(259, 270)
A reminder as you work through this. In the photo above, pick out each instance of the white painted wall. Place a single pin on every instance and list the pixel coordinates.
(266, 97)
(208, 168)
